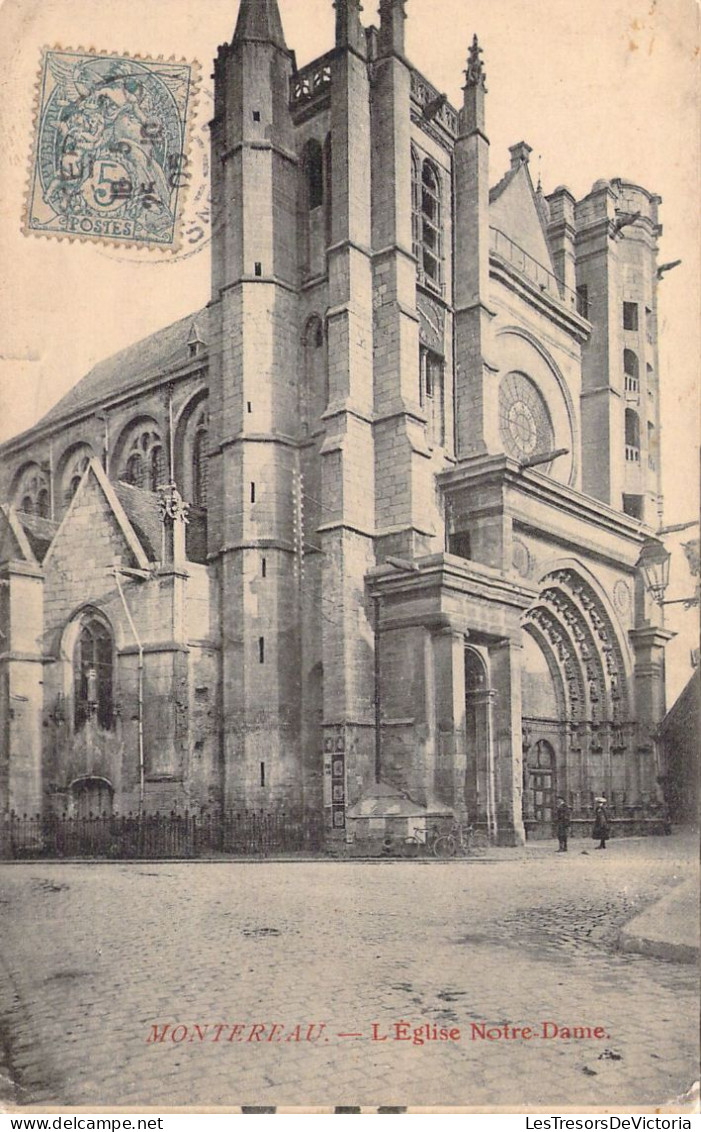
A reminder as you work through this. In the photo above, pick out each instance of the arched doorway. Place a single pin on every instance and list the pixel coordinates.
(91, 797)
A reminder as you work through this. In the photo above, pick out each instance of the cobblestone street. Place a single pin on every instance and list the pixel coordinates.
(92, 956)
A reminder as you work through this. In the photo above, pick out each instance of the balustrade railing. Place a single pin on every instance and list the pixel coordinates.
(507, 249)
(311, 80)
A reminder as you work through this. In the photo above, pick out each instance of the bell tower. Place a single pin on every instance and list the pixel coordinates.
(254, 412)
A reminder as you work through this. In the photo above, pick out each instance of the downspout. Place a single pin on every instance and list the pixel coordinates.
(140, 691)
(378, 702)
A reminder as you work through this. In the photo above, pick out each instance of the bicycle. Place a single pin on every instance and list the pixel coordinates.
(463, 839)
(421, 840)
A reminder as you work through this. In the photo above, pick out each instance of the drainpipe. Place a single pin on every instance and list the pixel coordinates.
(378, 704)
(140, 693)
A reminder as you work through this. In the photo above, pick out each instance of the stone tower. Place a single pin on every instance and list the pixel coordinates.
(254, 411)
(617, 231)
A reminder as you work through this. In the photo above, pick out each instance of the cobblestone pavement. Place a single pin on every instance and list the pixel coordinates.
(93, 955)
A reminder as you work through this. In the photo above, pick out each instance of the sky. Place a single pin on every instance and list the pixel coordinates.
(604, 88)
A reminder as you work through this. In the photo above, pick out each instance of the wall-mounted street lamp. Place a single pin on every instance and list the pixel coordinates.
(654, 563)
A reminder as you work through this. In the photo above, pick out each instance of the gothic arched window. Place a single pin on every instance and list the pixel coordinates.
(430, 222)
(93, 674)
(145, 464)
(32, 491)
(73, 470)
(199, 465)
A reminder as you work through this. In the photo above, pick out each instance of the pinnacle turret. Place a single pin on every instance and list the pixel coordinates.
(475, 75)
(349, 29)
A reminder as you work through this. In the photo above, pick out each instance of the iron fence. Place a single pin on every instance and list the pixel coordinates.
(174, 835)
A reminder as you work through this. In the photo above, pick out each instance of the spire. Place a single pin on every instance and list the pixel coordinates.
(475, 75)
(260, 20)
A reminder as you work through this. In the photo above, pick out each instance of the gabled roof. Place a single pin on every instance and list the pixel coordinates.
(161, 352)
(14, 541)
(514, 210)
(142, 554)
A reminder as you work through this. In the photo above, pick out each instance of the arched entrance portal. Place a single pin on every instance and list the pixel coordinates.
(91, 797)
(544, 737)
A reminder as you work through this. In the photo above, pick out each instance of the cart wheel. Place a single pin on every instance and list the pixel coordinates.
(445, 846)
(478, 841)
(411, 847)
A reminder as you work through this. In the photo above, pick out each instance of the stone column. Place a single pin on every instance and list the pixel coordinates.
(505, 662)
(448, 646)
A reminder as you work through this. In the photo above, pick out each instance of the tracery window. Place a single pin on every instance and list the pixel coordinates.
(426, 218)
(524, 420)
(32, 492)
(145, 464)
(93, 673)
(74, 472)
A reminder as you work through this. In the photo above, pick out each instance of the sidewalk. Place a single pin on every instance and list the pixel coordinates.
(669, 929)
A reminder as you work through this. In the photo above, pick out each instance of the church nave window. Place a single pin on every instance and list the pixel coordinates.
(426, 219)
(93, 671)
(145, 464)
(32, 492)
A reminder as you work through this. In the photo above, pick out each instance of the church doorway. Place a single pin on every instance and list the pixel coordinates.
(91, 797)
(540, 783)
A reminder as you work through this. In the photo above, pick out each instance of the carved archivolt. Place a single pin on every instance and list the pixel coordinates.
(579, 633)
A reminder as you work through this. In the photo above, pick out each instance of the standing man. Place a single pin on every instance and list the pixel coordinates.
(562, 816)
(600, 830)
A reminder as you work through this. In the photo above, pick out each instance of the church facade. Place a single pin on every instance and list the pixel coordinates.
(363, 535)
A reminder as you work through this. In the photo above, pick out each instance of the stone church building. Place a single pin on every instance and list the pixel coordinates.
(363, 535)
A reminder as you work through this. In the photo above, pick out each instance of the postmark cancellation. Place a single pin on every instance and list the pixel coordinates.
(110, 160)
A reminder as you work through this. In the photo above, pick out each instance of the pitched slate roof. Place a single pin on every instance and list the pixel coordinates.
(160, 352)
(141, 508)
(39, 532)
(514, 211)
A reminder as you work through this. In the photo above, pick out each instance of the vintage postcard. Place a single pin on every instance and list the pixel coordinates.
(349, 556)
